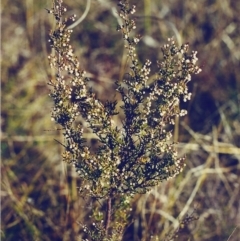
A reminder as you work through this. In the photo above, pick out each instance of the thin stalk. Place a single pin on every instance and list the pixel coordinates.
(108, 217)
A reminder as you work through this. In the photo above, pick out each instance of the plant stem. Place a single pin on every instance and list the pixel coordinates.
(108, 217)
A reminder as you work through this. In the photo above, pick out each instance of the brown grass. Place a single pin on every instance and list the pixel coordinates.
(39, 198)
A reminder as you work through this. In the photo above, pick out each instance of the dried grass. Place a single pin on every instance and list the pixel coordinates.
(39, 193)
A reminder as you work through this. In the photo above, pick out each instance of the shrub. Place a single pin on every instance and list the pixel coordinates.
(132, 157)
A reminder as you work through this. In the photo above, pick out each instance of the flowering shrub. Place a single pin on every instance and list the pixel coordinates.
(137, 155)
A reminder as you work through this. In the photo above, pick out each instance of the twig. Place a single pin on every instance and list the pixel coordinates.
(108, 217)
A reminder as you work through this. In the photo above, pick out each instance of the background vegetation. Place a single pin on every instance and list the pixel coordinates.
(39, 192)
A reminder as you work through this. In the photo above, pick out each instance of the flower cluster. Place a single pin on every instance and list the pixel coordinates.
(137, 155)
